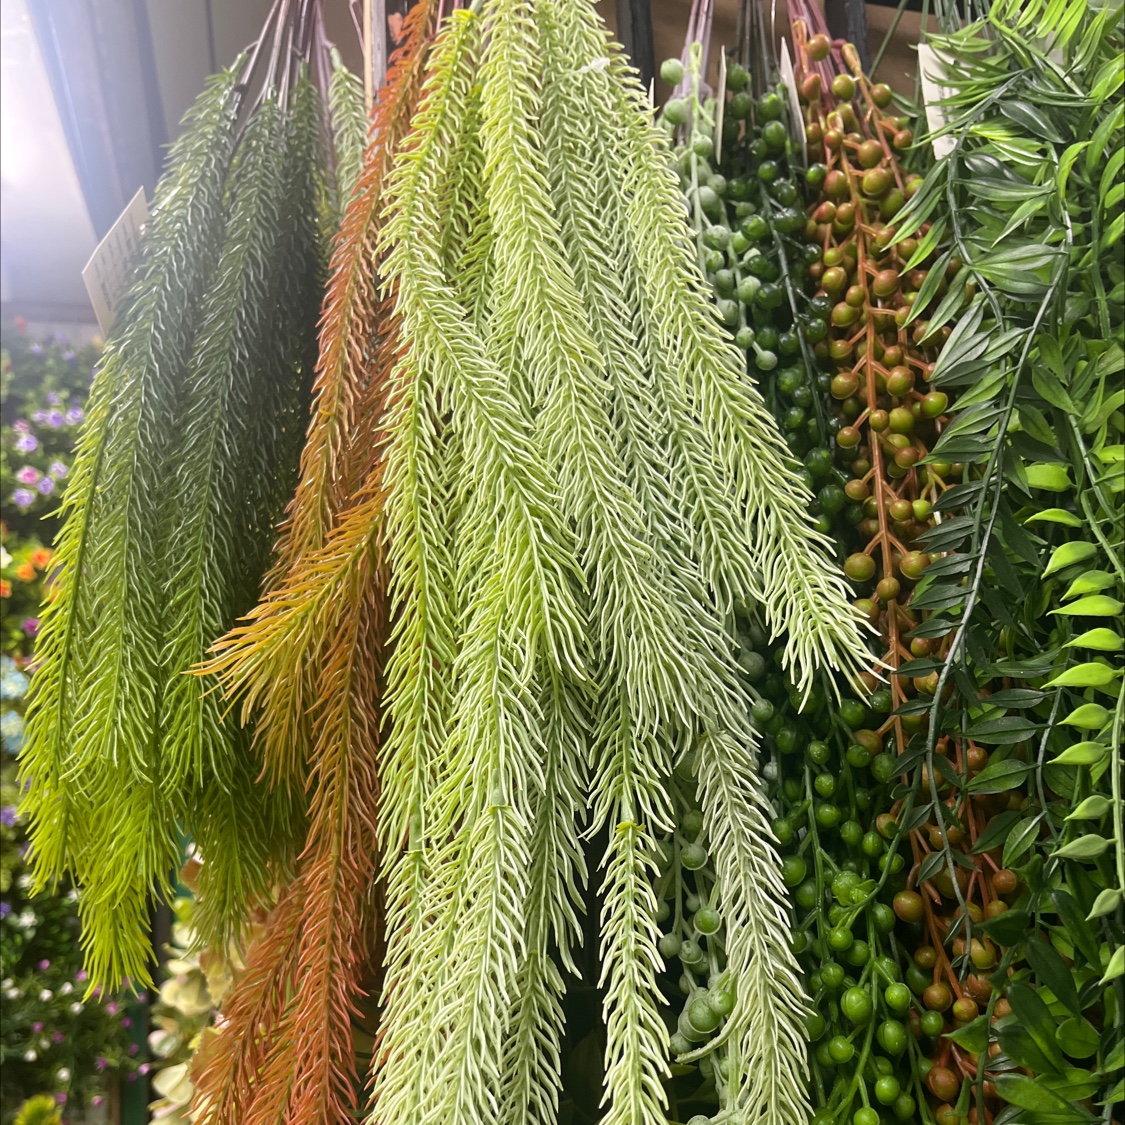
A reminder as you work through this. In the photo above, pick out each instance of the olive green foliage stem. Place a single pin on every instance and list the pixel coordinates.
(92, 720)
(349, 126)
(190, 452)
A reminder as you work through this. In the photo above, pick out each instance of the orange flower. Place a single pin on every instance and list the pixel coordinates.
(41, 557)
(26, 572)
(5, 588)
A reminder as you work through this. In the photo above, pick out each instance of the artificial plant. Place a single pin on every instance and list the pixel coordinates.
(579, 489)
(185, 462)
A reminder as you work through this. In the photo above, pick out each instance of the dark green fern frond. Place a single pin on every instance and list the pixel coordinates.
(350, 124)
(92, 724)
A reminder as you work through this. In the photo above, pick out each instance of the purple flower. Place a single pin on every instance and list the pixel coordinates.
(5, 909)
(30, 625)
(68, 355)
(44, 965)
(39, 417)
(97, 1099)
(37, 1027)
(27, 443)
(55, 418)
(74, 415)
(81, 975)
(133, 1048)
(102, 1063)
(53, 398)
(23, 498)
(46, 486)
(36, 349)
(60, 1099)
(59, 469)
(7, 815)
(111, 1007)
(28, 475)
(58, 1037)
(142, 997)
(126, 1021)
(131, 1077)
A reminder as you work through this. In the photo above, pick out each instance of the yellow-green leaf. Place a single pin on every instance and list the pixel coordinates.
(1089, 674)
(1090, 716)
(1082, 754)
(1093, 808)
(1096, 605)
(1101, 640)
(1055, 515)
(1090, 846)
(1067, 554)
(1092, 582)
(1116, 965)
(1048, 475)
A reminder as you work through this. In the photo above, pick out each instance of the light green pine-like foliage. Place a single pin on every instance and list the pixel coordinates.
(194, 429)
(582, 487)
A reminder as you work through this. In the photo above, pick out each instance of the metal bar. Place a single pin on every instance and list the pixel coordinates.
(634, 30)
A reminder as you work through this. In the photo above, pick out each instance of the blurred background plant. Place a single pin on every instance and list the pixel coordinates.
(60, 1050)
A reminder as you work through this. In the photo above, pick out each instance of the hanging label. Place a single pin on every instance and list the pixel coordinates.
(108, 271)
(796, 118)
(932, 69)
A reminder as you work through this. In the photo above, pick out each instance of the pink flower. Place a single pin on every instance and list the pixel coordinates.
(126, 1021)
(30, 625)
(81, 975)
(27, 475)
(37, 1027)
(58, 1037)
(133, 1048)
(44, 965)
(144, 1068)
(96, 1100)
(101, 1062)
(111, 1007)
(60, 1099)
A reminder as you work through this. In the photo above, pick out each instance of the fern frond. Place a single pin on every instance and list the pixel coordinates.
(766, 1031)
(340, 860)
(801, 591)
(95, 697)
(227, 1068)
(349, 128)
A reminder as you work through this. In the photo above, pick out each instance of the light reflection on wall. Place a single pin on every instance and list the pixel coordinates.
(45, 231)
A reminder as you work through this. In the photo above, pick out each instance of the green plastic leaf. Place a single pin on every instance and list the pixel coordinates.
(999, 777)
(1051, 970)
(1002, 732)
(1048, 475)
(1093, 808)
(1092, 582)
(996, 831)
(1101, 640)
(1090, 674)
(1116, 966)
(1055, 515)
(1035, 1018)
(1082, 754)
(1021, 839)
(1067, 554)
(1008, 928)
(1096, 605)
(1090, 716)
(1079, 930)
(1087, 847)
(1077, 1037)
(1106, 903)
(973, 1036)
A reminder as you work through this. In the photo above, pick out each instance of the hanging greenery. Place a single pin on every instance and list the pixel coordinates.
(309, 661)
(184, 466)
(580, 488)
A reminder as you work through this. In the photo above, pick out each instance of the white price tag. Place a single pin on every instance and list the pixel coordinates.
(110, 267)
(932, 68)
(796, 118)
